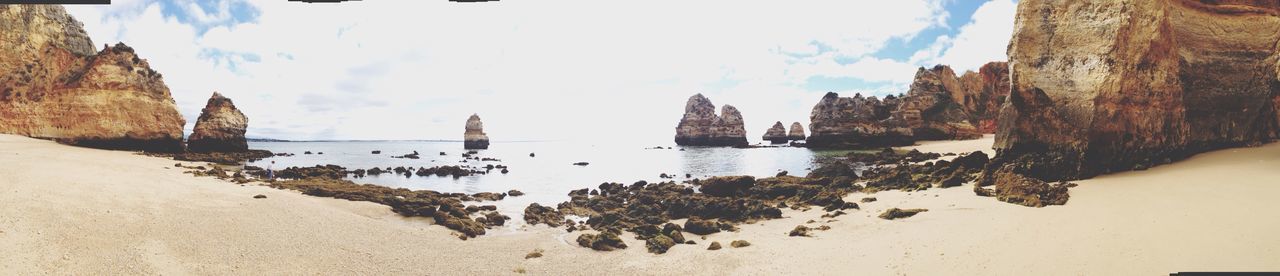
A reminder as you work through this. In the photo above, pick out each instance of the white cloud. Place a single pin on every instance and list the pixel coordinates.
(983, 40)
(532, 70)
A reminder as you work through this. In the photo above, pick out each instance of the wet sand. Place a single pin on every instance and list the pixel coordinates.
(70, 210)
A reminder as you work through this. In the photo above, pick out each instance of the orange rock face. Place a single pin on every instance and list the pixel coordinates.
(1102, 86)
(220, 128)
(54, 86)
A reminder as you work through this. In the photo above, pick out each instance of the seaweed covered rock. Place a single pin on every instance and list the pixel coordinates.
(1019, 189)
(659, 244)
(536, 213)
(604, 241)
(445, 209)
(895, 213)
(726, 185)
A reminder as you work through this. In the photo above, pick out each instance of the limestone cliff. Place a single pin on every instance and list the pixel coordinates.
(777, 134)
(700, 125)
(1109, 85)
(474, 137)
(53, 85)
(796, 133)
(220, 127)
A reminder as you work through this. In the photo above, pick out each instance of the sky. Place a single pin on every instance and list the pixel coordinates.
(538, 70)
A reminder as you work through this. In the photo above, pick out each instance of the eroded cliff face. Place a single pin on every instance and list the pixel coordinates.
(220, 128)
(1103, 86)
(474, 137)
(53, 85)
(938, 106)
(700, 126)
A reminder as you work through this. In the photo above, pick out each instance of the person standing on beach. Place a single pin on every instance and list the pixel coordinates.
(270, 174)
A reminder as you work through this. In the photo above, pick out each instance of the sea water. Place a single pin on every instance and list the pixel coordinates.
(549, 174)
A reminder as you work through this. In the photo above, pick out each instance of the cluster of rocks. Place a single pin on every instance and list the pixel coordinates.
(474, 137)
(447, 170)
(700, 125)
(938, 106)
(709, 205)
(777, 134)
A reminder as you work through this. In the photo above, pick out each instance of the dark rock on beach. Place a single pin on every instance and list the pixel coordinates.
(895, 213)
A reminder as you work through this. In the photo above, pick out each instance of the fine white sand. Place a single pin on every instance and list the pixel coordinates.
(69, 210)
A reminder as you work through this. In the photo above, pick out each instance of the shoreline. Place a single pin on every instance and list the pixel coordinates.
(82, 210)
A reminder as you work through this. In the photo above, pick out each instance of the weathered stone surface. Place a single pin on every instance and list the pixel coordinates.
(474, 137)
(855, 122)
(1105, 86)
(938, 106)
(776, 134)
(220, 128)
(796, 133)
(933, 108)
(700, 125)
(53, 85)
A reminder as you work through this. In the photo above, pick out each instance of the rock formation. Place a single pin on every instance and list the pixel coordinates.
(938, 106)
(220, 127)
(776, 134)
(796, 133)
(700, 125)
(855, 122)
(1104, 86)
(53, 85)
(474, 137)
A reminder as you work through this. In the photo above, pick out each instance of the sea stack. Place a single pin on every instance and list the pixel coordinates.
(220, 127)
(776, 134)
(796, 133)
(700, 125)
(474, 137)
(1106, 86)
(55, 86)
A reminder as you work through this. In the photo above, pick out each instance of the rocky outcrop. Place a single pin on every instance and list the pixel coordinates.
(474, 137)
(938, 106)
(796, 133)
(1105, 86)
(855, 122)
(776, 134)
(220, 127)
(700, 125)
(53, 85)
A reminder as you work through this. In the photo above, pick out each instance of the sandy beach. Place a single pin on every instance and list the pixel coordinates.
(71, 210)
